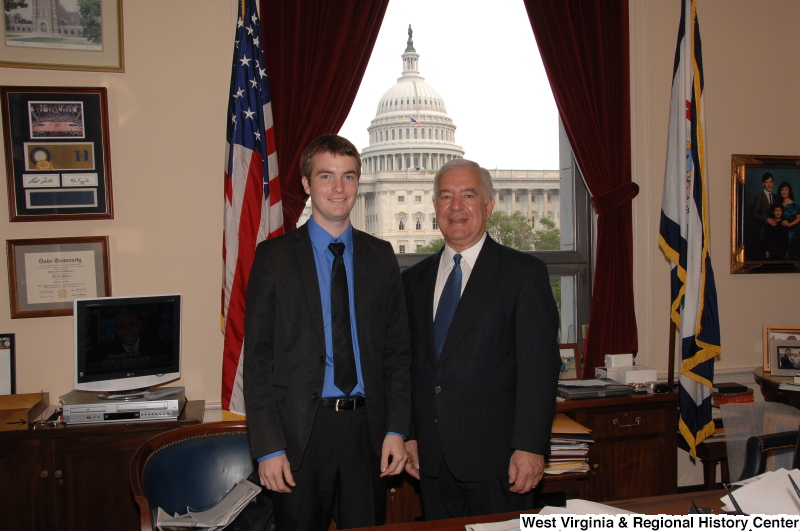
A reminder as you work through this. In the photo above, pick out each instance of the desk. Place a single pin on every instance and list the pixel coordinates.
(75, 478)
(634, 443)
(769, 388)
(673, 504)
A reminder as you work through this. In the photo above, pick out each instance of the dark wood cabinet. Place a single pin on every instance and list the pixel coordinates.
(75, 478)
(635, 454)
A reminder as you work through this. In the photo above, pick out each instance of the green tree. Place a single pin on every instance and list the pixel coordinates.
(548, 238)
(90, 18)
(513, 230)
(432, 247)
(10, 5)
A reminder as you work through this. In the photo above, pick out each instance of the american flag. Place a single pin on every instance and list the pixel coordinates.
(685, 234)
(415, 123)
(253, 210)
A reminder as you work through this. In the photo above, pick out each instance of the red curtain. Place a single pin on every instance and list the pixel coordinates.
(316, 52)
(584, 47)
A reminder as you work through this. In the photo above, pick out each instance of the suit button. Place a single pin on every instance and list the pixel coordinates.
(315, 396)
(435, 419)
(322, 359)
(438, 389)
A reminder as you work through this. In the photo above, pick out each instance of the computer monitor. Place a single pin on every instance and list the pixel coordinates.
(127, 344)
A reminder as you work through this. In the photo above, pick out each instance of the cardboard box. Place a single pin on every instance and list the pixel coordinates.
(634, 374)
(619, 360)
(17, 412)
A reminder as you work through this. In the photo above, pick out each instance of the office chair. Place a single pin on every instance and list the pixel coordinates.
(194, 466)
(760, 447)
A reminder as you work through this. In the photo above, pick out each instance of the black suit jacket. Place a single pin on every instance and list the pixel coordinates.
(763, 211)
(284, 343)
(493, 389)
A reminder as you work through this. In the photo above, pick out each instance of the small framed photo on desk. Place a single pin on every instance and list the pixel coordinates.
(784, 357)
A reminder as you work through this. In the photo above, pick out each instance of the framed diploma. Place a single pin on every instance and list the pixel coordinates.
(58, 161)
(45, 275)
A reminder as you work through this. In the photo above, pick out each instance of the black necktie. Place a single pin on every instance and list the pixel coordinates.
(448, 302)
(344, 361)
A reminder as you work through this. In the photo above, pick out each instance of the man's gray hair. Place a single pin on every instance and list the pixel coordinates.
(464, 164)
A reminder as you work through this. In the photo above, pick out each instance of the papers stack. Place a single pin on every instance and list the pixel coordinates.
(569, 446)
(769, 493)
(217, 516)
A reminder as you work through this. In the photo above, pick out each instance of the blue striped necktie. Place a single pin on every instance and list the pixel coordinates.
(448, 302)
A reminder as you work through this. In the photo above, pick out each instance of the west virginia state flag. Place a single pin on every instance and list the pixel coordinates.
(684, 234)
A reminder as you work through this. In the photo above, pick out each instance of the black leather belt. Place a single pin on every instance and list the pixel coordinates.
(344, 404)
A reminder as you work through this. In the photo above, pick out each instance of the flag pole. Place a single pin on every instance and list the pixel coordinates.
(671, 364)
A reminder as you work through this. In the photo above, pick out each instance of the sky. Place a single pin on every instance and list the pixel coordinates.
(485, 65)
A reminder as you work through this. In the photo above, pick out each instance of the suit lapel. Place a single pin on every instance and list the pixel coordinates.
(482, 282)
(423, 302)
(308, 270)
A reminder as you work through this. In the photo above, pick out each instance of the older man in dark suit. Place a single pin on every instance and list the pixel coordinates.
(485, 363)
(763, 203)
(326, 357)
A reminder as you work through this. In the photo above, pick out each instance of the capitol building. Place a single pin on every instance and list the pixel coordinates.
(410, 138)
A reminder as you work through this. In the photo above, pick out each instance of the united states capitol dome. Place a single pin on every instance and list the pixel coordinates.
(411, 129)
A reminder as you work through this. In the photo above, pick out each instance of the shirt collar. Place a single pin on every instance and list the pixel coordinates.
(320, 238)
(470, 256)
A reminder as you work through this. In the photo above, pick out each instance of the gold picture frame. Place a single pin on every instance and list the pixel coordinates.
(757, 244)
(771, 333)
(45, 275)
(81, 40)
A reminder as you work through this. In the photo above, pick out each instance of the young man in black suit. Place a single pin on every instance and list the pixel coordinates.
(484, 388)
(324, 445)
(763, 204)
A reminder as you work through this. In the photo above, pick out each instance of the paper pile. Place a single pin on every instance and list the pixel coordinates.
(215, 517)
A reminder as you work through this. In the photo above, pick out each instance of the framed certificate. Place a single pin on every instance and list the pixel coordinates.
(45, 275)
(58, 161)
(8, 381)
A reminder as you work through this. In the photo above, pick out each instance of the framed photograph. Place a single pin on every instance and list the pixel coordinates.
(63, 35)
(765, 221)
(45, 275)
(8, 377)
(571, 366)
(58, 160)
(784, 357)
(776, 333)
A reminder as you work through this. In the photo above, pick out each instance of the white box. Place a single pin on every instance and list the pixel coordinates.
(600, 372)
(619, 360)
(634, 374)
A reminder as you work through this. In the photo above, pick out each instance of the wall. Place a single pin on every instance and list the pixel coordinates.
(167, 125)
(167, 118)
(751, 107)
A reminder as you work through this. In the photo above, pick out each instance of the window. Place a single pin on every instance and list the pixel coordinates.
(434, 222)
(419, 223)
(401, 199)
(401, 225)
(418, 199)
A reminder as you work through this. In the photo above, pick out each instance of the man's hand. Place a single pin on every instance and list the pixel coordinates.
(412, 465)
(772, 222)
(276, 474)
(524, 471)
(392, 448)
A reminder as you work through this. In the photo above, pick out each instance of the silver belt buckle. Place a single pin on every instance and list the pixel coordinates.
(340, 401)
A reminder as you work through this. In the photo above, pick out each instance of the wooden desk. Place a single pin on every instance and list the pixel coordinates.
(711, 452)
(769, 388)
(75, 478)
(634, 444)
(674, 504)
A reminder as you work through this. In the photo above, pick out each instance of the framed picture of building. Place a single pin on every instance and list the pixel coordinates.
(63, 35)
(765, 220)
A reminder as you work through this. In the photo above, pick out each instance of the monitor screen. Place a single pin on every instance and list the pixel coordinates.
(124, 344)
